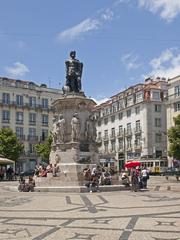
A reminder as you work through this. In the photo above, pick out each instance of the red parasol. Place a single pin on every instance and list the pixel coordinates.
(132, 164)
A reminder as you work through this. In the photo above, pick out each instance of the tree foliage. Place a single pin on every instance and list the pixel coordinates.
(44, 149)
(10, 146)
(174, 139)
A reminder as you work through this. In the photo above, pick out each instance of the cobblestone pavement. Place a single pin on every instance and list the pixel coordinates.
(125, 215)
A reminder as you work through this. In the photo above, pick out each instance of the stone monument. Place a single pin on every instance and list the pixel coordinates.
(73, 130)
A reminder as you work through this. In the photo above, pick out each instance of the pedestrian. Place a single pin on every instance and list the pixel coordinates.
(145, 177)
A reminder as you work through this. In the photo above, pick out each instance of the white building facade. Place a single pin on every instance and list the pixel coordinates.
(132, 124)
(26, 108)
(173, 105)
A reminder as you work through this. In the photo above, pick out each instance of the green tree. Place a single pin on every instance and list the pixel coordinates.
(10, 146)
(174, 139)
(44, 149)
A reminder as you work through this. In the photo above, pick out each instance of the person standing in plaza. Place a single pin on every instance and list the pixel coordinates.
(145, 177)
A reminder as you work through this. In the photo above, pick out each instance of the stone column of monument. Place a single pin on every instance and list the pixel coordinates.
(74, 133)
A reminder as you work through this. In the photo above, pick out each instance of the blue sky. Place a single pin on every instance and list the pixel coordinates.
(120, 42)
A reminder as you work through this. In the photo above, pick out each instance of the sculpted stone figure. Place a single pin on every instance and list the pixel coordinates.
(54, 131)
(73, 73)
(61, 128)
(90, 129)
(76, 127)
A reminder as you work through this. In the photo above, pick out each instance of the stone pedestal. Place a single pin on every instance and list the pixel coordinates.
(73, 156)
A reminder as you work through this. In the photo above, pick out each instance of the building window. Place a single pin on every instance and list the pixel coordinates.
(6, 98)
(19, 132)
(177, 91)
(32, 134)
(19, 117)
(158, 137)
(157, 108)
(138, 126)
(19, 100)
(120, 144)
(113, 118)
(113, 146)
(137, 141)
(99, 123)
(5, 116)
(137, 110)
(129, 101)
(106, 121)
(128, 128)
(128, 113)
(32, 118)
(45, 119)
(177, 106)
(120, 115)
(120, 129)
(105, 134)
(157, 122)
(44, 134)
(112, 132)
(32, 101)
(31, 148)
(99, 135)
(156, 95)
(44, 103)
(106, 147)
(129, 145)
(114, 109)
(139, 97)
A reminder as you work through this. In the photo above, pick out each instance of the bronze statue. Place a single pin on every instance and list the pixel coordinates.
(73, 73)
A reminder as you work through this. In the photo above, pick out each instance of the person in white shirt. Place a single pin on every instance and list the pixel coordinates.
(144, 176)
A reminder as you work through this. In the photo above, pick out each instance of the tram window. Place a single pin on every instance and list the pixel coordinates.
(161, 163)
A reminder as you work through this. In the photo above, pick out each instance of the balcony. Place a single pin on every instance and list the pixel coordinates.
(32, 138)
(99, 140)
(120, 150)
(106, 138)
(120, 134)
(137, 146)
(5, 120)
(32, 123)
(112, 136)
(138, 130)
(19, 121)
(129, 149)
(128, 132)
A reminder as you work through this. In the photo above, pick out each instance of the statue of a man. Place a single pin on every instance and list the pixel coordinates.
(76, 127)
(61, 128)
(90, 129)
(54, 131)
(73, 73)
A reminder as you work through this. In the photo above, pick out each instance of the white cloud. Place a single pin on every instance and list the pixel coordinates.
(130, 61)
(107, 15)
(89, 24)
(167, 64)
(17, 70)
(168, 9)
(85, 26)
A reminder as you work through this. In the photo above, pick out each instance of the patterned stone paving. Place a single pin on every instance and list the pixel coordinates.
(125, 215)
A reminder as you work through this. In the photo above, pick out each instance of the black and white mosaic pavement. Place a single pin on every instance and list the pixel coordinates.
(117, 215)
